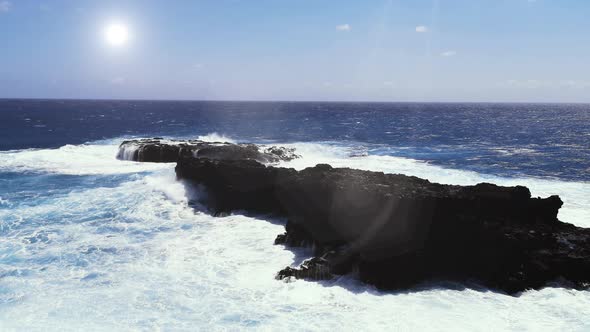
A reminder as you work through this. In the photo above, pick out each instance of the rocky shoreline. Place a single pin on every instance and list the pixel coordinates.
(389, 230)
(159, 150)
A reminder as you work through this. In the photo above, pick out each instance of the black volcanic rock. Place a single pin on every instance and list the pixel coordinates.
(395, 231)
(166, 151)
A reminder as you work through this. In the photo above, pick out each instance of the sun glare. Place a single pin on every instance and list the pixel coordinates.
(116, 34)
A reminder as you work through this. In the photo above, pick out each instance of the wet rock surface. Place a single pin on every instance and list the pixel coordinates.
(395, 231)
(160, 150)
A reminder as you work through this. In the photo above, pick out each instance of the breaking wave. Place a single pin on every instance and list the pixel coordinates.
(215, 137)
(73, 160)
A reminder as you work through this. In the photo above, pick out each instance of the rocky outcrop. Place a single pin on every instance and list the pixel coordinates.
(395, 231)
(159, 150)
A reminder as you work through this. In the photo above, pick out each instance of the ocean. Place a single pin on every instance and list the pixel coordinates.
(89, 242)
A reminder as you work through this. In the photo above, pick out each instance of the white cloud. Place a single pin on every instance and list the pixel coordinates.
(5, 6)
(421, 28)
(343, 27)
(448, 53)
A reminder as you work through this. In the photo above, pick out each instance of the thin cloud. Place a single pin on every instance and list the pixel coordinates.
(421, 28)
(343, 27)
(448, 53)
(5, 6)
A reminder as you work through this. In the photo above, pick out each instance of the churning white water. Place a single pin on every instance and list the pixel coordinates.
(124, 251)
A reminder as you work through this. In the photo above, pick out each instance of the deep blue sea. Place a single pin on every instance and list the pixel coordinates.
(544, 140)
(88, 242)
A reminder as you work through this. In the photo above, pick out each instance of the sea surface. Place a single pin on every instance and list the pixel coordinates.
(92, 243)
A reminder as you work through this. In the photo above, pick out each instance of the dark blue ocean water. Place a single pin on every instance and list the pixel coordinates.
(539, 140)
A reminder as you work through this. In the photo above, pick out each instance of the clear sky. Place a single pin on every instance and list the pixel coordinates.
(369, 50)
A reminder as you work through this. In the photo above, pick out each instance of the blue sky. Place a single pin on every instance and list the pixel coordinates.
(387, 50)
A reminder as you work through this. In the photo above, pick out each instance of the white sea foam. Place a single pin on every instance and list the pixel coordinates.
(127, 151)
(72, 159)
(136, 257)
(215, 137)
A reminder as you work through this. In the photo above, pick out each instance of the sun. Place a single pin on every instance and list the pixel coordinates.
(116, 34)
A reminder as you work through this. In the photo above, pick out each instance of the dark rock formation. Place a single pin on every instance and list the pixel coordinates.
(395, 231)
(167, 151)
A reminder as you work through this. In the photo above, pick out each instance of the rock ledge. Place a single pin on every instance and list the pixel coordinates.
(395, 231)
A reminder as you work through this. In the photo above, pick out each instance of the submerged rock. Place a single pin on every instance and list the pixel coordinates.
(316, 268)
(167, 151)
(395, 231)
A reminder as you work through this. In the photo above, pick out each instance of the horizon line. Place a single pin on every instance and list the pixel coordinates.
(294, 101)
